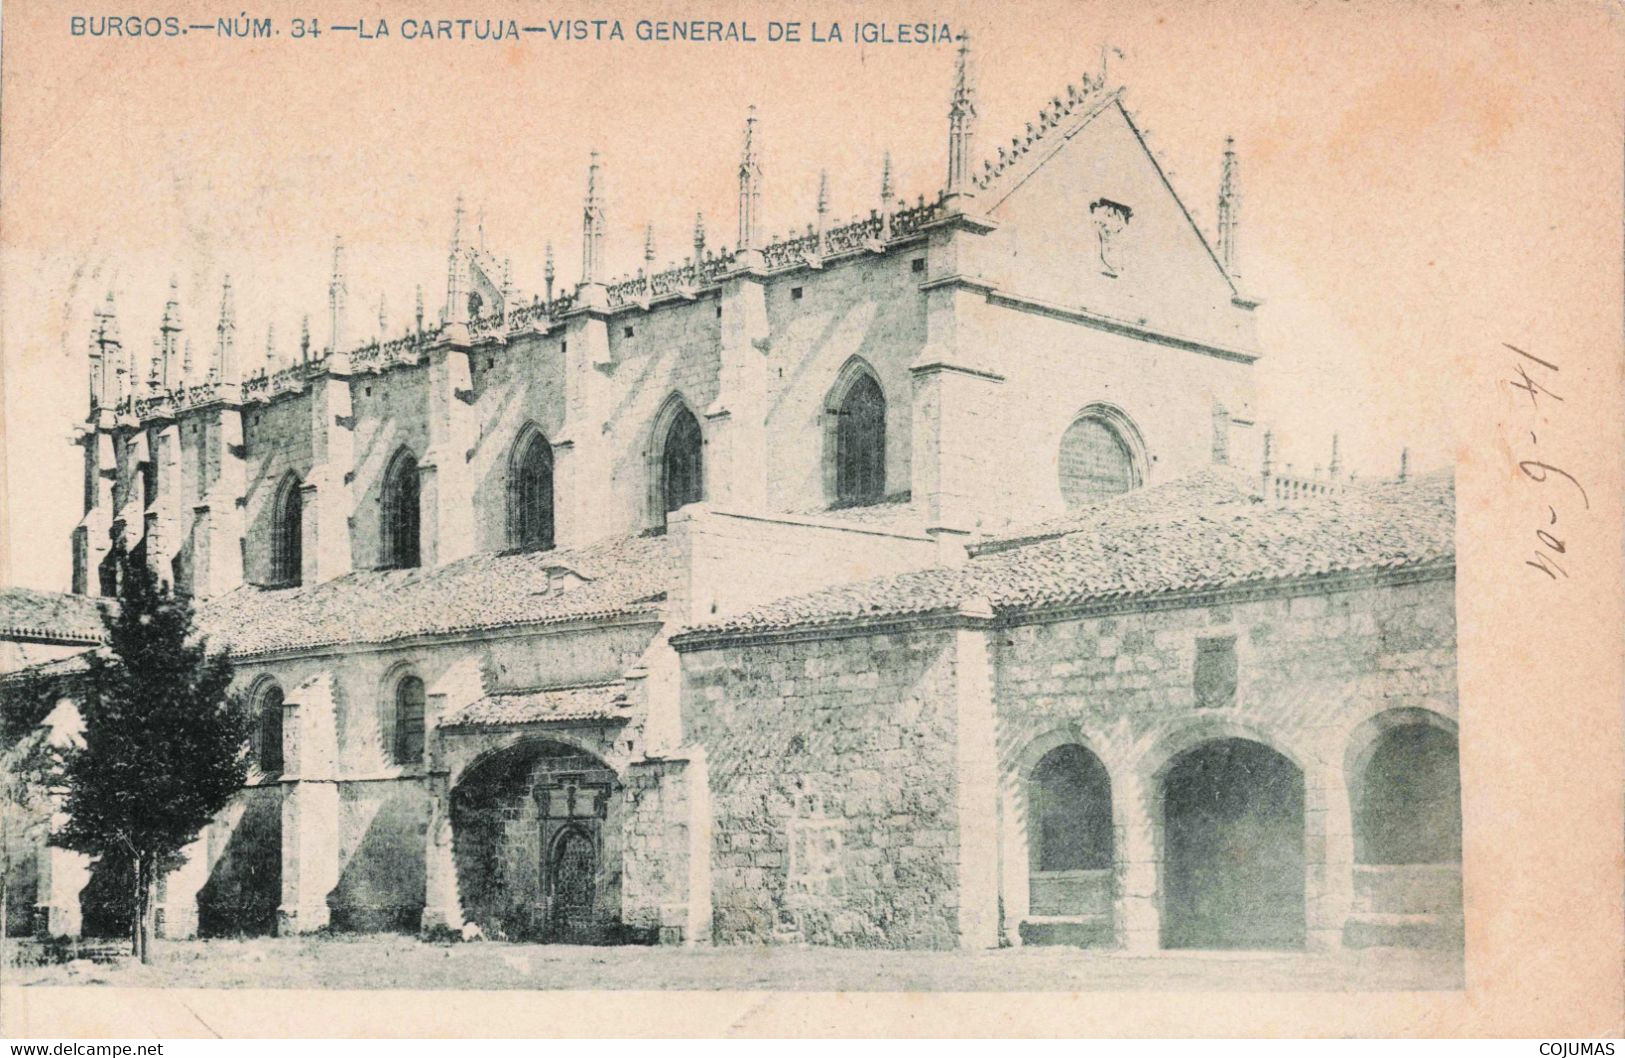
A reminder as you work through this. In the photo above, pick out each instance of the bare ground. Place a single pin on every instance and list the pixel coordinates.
(390, 961)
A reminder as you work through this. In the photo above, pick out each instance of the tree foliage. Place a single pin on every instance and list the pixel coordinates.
(164, 739)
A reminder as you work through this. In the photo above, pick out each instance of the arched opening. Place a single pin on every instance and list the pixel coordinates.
(401, 515)
(1410, 804)
(287, 534)
(860, 444)
(681, 469)
(536, 838)
(409, 705)
(1405, 797)
(1070, 845)
(265, 736)
(530, 493)
(1233, 848)
(1099, 458)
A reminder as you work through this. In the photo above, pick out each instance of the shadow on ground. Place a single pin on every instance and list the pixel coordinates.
(378, 962)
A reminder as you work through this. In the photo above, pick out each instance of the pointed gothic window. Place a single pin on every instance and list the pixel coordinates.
(266, 734)
(410, 701)
(287, 534)
(530, 493)
(400, 496)
(860, 444)
(1097, 462)
(681, 473)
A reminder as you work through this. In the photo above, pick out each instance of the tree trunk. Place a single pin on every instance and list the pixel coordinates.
(144, 885)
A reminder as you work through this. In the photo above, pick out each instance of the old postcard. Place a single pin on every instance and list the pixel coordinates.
(658, 519)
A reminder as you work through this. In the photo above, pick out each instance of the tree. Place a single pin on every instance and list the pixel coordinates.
(165, 742)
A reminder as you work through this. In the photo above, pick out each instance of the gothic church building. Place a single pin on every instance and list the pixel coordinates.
(919, 579)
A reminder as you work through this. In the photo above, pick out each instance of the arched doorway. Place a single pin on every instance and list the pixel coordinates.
(572, 879)
(1233, 817)
(1070, 845)
(536, 839)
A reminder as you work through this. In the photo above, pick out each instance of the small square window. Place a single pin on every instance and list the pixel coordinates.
(1216, 673)
(627, 333)
(369, 391)
(490, 362)
(918, 264)
(719, 310)
(795, 293)
(564, 347)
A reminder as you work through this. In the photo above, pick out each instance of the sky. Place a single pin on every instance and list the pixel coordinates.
(1419, 181)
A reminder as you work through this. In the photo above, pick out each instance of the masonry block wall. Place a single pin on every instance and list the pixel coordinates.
(832, 783)
(1313, 670)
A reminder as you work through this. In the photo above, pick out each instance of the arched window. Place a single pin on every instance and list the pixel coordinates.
(1409, 810)
(530, 493)
(682, 479)
(860, 444)
(400, 497)
(1071, 805)
(287, 533)
(1070, 844)
(265, 737)
(1097, 460)
(409, 706)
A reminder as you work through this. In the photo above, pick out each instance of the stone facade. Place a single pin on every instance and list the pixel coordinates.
(608, 741)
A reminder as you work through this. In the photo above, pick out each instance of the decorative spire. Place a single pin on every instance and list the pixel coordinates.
(1269, 454)
(457, 225)
(107, 347)
(419, 308)
(186, 363)
(169, 332)
(699, 237)
(480, 229)
(961, 123)
(155, 367)
(304, 339)
(337, 292)
(225, 352)
(548, 271)
(125, 373)
(1336, 467)
(885, 182)
(1404, 464)
(649, 249)
(750, 188)
(592, 227)
(823, 205)
(1229, 206)
(270, 349)
(383, 318)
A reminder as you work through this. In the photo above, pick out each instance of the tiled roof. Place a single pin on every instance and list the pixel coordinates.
(52, 615)
(621, 576)
(1203, 533)
(604, 701)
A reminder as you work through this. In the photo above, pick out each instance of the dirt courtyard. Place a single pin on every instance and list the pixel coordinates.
(394, 961)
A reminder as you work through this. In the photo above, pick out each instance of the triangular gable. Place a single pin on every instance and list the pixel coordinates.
(1085, 168)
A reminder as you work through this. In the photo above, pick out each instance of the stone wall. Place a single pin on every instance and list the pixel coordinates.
(665, 888)
(832, 784)
(1313, 671)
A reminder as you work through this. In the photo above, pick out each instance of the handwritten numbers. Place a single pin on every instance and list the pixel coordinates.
(1549, 543)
